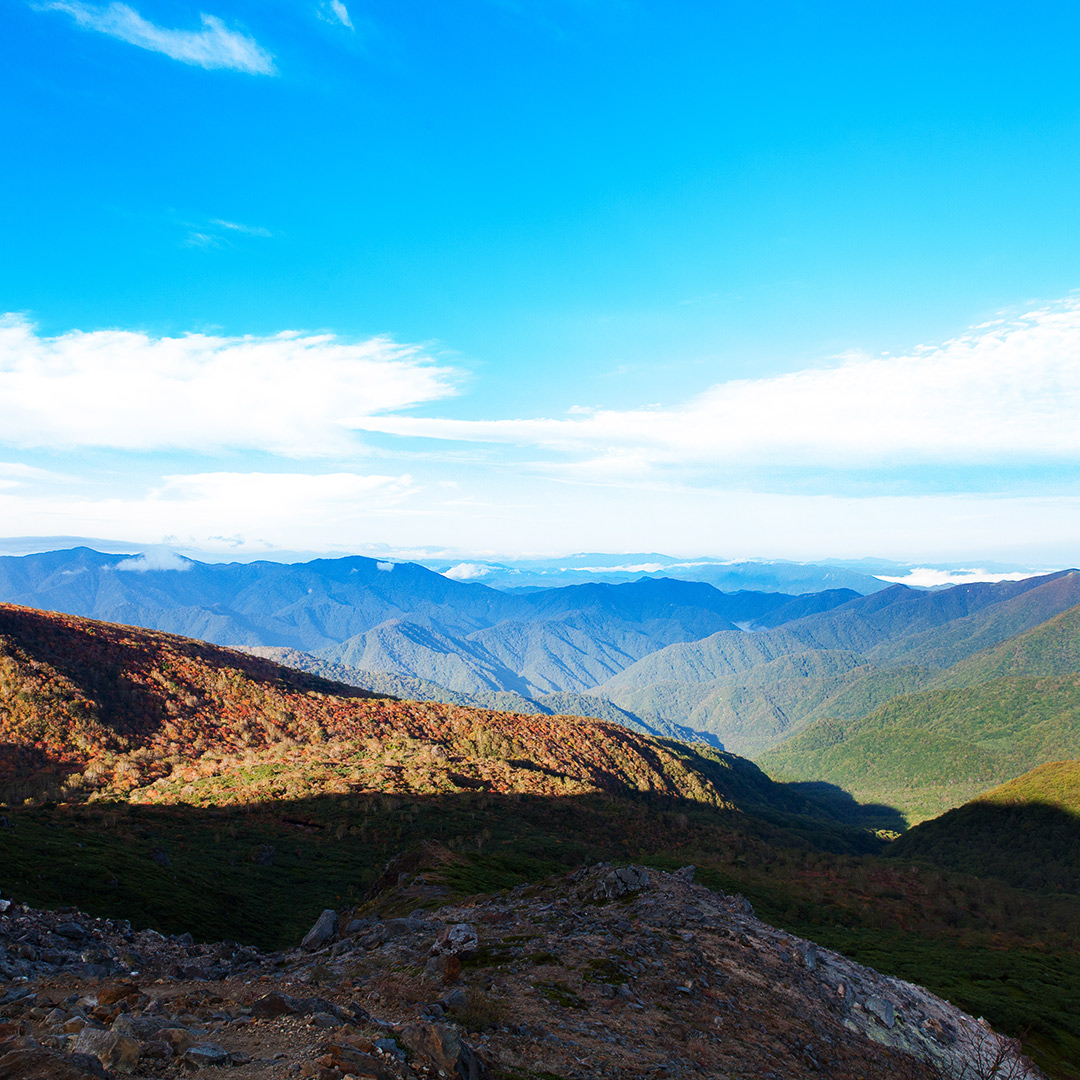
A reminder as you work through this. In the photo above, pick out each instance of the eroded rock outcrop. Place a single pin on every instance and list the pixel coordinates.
(620, 972)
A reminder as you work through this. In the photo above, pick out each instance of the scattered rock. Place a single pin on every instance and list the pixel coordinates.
(112, 1050)
(442, 1047)
(323, 932)
(882, 1009)
(43, 1063)
(205, 1055)
(612, 884)
(444, 969)
(264, 856)
(179, 1040)
(459, 940)
(275, 1004)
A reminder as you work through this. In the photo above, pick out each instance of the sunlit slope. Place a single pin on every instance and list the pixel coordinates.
(1052, 648)
(1025, 832)
(930, 751)
(89, 707)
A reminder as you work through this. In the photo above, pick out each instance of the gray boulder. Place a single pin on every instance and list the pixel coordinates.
(323, 932)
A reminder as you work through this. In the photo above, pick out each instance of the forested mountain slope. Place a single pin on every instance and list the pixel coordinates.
(754, 691)
(988, 718)
(1025, 832)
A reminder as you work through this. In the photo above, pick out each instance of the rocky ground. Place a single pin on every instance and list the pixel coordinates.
(618, 972)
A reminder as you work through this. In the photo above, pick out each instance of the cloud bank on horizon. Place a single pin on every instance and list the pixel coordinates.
(1000, 396)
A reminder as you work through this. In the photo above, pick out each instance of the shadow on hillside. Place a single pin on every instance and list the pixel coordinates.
(1031, 845)
(261, 872)
(843, 806)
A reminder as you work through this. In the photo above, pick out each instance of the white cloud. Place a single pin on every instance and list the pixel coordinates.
(326, 496)
(341, 12)
(927, 577)
(154, 559)
(386, 567)
(213, 46)
(467, 572)
(15, 474)
(334, 11)
(350, 512)
(998, 393)
(345, 513)
(287, 393)
(247, 230)
(325, 510)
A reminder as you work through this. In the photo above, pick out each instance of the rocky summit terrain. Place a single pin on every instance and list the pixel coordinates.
(614, 971)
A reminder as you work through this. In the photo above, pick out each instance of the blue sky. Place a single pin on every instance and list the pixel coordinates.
(792, 280)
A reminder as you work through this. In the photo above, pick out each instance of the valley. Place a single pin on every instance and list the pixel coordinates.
(188, 787)
(913, 699)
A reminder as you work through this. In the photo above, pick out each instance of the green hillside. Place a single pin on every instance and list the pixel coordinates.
(753, 691)
(927, 752)
(754, 709)
(1052, 648)
(1025, 832)
(987, 628)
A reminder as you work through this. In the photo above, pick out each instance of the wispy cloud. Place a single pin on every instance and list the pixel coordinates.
(215, 233)
(336, 11)
(287, 393)
(1003, 392)
(14, 474)
(237, 227)
(215, 45)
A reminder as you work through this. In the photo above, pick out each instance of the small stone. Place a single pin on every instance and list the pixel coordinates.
(443, 1048)
(156, 1050)
(808, 954)
(178, 1039)
(205, 1055)
(114, 992)
(274, 1004)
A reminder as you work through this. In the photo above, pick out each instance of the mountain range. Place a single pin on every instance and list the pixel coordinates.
(909, 698)
(401, 617)
(190, 787)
